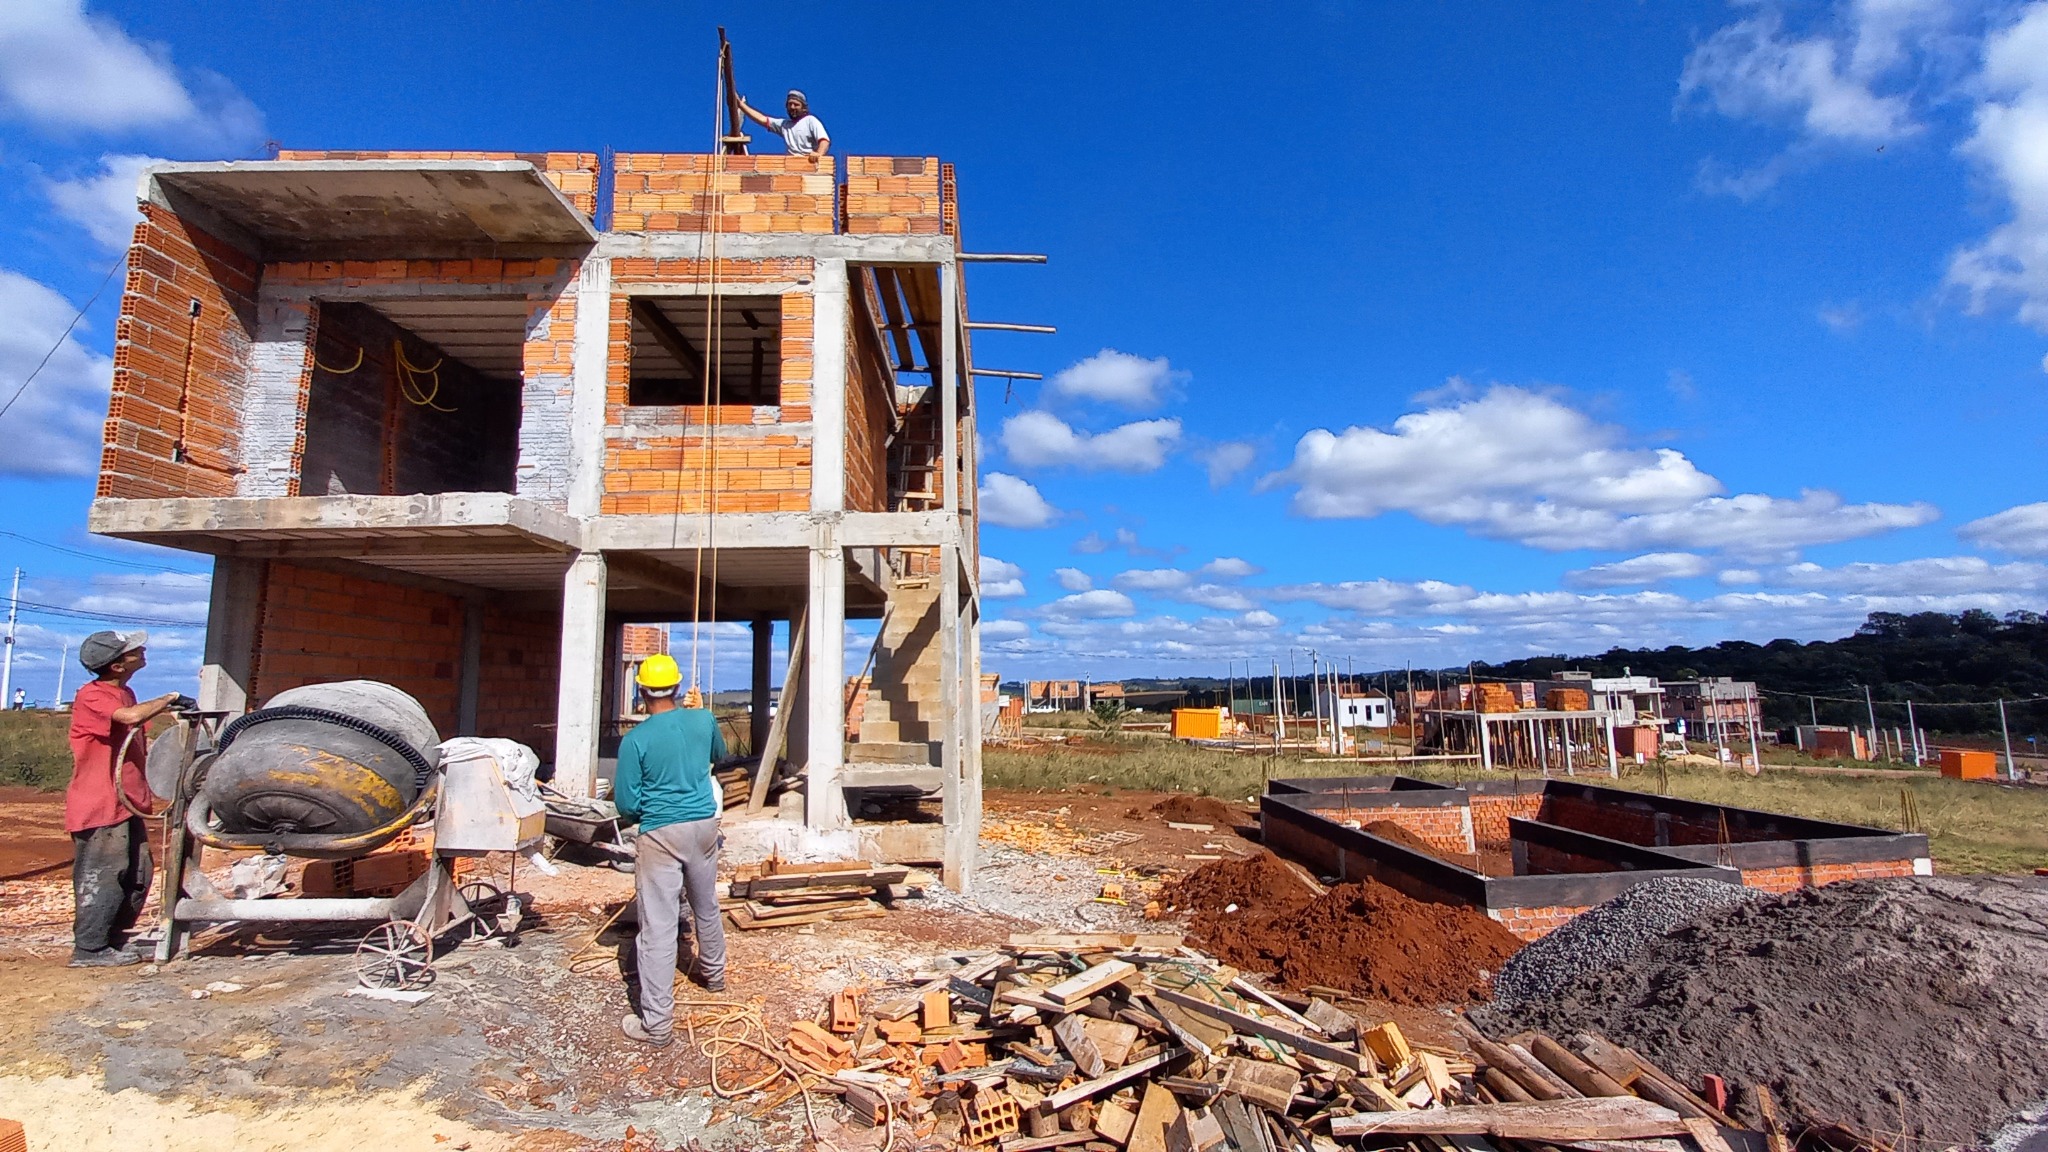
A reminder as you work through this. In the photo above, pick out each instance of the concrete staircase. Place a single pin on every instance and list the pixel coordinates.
(902, 720)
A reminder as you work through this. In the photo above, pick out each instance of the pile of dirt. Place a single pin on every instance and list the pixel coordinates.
(1399, 834)
(1182, 809)
(1261, 881)
(1908, 1010)
(1365, 938)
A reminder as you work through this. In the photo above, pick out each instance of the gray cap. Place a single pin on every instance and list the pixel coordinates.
(103, 648)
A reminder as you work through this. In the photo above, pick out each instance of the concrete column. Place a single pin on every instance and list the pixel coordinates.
(958, 868)
(273, 400)
(469, 691)
(579, 709)
(948, 381)
(231, 626)
(825, 681)
(764, 683)
(828, 388)
(797, 741)
(591, 357)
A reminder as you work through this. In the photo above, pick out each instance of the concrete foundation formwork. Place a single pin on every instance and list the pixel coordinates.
(440, 426)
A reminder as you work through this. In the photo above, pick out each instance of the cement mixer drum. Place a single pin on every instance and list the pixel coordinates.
(327, 759)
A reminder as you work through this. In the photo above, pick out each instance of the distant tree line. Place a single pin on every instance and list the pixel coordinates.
(1931, 658)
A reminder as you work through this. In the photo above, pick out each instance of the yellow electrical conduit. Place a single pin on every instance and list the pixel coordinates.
(410, 376)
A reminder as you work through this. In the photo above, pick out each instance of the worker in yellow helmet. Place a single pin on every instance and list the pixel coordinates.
(664, 782)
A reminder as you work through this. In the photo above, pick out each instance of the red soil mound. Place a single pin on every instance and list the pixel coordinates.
(1388, 830)
(1365, 938)
(1198, 810)
(1261, 882)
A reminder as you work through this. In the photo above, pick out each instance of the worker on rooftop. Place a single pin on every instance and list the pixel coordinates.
(664, 782)
(107, 800)
(802, 133)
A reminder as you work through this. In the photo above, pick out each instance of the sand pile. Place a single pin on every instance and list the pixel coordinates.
(1909, 1010)
(1366, 939)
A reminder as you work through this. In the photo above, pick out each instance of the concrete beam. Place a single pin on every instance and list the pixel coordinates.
(767, 246)
(231, 624)
(772, 530)
(828, 388)
(456, 513)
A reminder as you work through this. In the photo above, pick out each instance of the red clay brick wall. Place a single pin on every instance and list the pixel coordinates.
(1444, 829)
(1815, 875)
(897, 195)
(519, 681)
(1638, 825)
(686, 192)
(757, 470)
(314, 625)
(573, 173)
(176, 375)
(868, 404)
(1534, 923)
(1490, 815)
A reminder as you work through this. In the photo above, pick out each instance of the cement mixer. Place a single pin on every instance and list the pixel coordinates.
(332, 773)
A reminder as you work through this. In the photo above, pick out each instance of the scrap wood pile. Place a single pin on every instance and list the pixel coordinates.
(778, 894)
(1133, 1043)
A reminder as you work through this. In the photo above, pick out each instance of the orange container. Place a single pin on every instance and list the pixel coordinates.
(1199, 723)
(1969, 764)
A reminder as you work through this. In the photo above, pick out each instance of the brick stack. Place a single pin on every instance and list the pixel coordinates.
(1567, 700)
(687, 192)
(177, 374)
(1495, 698)
(574, 174)
(893, 195)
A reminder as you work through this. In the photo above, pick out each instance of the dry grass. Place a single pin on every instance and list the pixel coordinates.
(1972, 826)
(35, 750)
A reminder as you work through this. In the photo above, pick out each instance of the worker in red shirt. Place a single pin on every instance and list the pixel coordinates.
(111, 863)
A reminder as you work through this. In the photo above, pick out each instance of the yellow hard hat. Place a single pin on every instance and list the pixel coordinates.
(659, 671)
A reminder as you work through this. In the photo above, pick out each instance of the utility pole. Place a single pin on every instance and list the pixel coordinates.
(1279, 720)
(1912, 733)
(2012, 771)
(7, 665)
(63, 657)
(1872, 708)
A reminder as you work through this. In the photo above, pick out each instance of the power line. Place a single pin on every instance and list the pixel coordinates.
(1862, 701)
(32, 608)
(64, 335)
(93, 556)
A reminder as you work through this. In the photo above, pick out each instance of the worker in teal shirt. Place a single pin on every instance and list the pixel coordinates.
(664, 782)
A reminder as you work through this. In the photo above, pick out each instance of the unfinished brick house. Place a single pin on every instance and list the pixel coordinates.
(442, 421)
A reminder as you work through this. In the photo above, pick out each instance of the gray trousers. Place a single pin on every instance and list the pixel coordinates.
(676, 863)
(110, 873)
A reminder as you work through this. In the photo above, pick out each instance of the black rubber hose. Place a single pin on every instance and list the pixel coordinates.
(422, 770)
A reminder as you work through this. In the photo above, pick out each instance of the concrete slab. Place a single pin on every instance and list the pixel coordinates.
(375, 209)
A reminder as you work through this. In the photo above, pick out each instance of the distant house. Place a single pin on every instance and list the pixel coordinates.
(1715, 707)
(1354, 709)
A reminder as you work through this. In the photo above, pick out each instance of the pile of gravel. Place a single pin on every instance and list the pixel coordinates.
(1603, 937)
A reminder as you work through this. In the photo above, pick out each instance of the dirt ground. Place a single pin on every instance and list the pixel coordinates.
(253, 1040)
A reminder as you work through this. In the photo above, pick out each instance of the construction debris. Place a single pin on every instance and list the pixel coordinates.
(778, 894)
(1135, 1043)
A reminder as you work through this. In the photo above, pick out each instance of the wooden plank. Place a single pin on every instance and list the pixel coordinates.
(1671, 1085)
(761, 911)
(1096, 941)
(843, 878)
(1244, 987)
(1080, 987)
(1072, 1033)
(1590, 1081)
(1114, 1121)
(1548, 1121)
(1087, 1089)
(1113, 1038)
(1344, 1057)
(778, 727)
(1617, 1064)
(1707, 1135)
(1509, 1064)
(1156, 1111)
(1774, 1133)
(1034, 1143)
(1270, 1086)
(1526, 1061)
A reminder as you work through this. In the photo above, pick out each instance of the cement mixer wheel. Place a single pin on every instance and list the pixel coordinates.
(487, 904)
(396, 954)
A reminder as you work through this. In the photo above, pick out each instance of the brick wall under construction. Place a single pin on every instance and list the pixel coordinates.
(181, 356)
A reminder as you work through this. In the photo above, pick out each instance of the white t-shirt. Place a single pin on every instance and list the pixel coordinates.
(801, 137)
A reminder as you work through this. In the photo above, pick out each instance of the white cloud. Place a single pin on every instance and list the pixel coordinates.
(1000, 579)
(1116, 377)
(1153, 580)
(103, 202)
(1752, 70)
(1099, 604)
(1218, 597)
(1841, 318)
(1039, 439)
(1737, 576)
(1649, 568)
(1229, 568)
(61, 68)
(1224, 461)
(1123, 539)
(2010, 145)
(1002, 631)
(1010, 502)
(1932, 576)
(2021, 530)
(1518, 465)
(1073, 579)
(55, 428)
(1260, 618)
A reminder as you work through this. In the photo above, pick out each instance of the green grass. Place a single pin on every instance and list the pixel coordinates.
(34, 749)
(1971, 826)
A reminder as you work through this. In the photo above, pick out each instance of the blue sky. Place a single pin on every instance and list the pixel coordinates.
(1395, 332)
